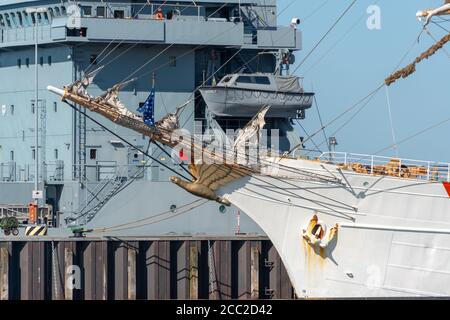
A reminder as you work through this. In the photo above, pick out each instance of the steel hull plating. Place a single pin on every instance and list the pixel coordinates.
(393, 234)
(230, 102)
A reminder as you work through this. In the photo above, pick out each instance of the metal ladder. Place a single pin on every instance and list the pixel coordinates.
(100, 195)
(116, 185)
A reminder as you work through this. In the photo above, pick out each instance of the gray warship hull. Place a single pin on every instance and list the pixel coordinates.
(89, 178)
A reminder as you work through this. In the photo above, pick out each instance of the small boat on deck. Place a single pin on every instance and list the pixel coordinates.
(244, 95)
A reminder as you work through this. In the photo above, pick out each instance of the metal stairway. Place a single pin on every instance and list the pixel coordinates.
(114, 186)
(99, 195)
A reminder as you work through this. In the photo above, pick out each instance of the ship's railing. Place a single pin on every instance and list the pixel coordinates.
(45, 214)
(25, 33)
(145, 12)
(105, 171)
(23, 29)
(385, 166)
(55, 171)
(13, 172)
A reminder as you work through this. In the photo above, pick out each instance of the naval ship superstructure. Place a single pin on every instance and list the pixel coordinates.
(345, 225)
(89, 177)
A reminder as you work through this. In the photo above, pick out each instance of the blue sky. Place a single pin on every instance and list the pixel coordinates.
(353, 60)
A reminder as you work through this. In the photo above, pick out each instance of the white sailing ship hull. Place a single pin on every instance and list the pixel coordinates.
(393, 236)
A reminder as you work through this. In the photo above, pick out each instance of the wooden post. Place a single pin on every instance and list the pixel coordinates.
(193, 270)
(68, 261)
(131, 273)
(4, 272)
(254, 271)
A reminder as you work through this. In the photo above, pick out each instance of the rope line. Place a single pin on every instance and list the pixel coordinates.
(325, 35)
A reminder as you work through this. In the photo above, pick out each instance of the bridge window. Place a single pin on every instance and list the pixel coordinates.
(55, 106)
(86, 11)
(27, 62)
(41, 61)
(8, 22)
(56, 154)
(49, 60)
(12, 109)
(33, 154)
(33, 18)
(19, 63)
(93, 154)
(101, 12)
(26, 19)
(11, 155)
(63, 11)
(51, 12)
(20, 19)
(2, 20)
(13, 19)
(57, 11)
(244, 79)
(119, 14)
(262, 80)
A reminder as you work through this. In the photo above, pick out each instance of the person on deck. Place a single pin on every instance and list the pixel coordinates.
(159, 14)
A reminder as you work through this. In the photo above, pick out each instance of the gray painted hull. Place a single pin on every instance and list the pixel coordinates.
(231, 102)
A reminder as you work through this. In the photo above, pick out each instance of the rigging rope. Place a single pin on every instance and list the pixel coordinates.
(308, 136)
(131, 47)
(435, 40)
(204, 44)
(308, 16)
(411, 68)
(346, 33)
(394, 140)
(321, 124)
(143, 222)
(325, 35)
(440, 123)
(111, 42)
(351, 118)
(368, 96)
(126, 141)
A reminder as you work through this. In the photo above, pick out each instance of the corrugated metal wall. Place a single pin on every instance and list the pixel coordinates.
(142, 269)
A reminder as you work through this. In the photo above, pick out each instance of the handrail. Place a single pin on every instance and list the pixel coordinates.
(153, 7)
(390, 166)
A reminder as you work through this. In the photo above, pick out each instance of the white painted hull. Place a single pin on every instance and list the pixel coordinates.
(393, 238)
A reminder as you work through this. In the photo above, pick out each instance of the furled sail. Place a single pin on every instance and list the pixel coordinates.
(111, 98)
(253, 128)
(80, 87)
